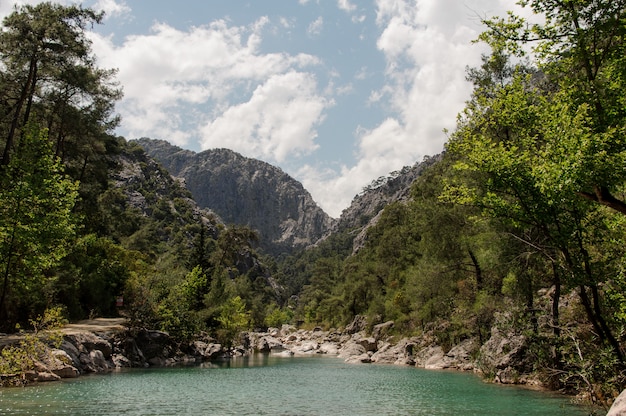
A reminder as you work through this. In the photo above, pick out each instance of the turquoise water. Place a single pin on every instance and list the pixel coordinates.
(267, 385)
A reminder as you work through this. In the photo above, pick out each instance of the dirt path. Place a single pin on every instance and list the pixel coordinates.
(96, 325)
(88, 325)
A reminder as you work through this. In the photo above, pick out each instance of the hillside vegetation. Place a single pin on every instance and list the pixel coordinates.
(517, 226)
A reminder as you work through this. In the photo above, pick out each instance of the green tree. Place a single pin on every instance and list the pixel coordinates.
(233, 319)
(49, 77)
(36, 225)
(580, 47)
(507, 138)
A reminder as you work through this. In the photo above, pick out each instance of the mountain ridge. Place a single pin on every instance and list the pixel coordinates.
(248, 192)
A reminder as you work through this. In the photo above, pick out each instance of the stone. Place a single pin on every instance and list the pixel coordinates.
(503, 351)
(329, 348)
(364, 358)
(381, 330)
(370, 344)
(358, 324)
(46, 376)
(87, 341)
(306, 347)
(619, 406)
(120, 361)
(351, 349)
(67, 371)
(213, 351)
(99, 361)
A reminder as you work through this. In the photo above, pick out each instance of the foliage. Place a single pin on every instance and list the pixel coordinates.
(18, 359)
(36, 225)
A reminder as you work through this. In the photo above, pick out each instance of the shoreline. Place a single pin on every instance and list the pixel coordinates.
(107, 345)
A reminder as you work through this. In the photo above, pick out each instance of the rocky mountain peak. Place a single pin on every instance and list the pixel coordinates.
(248, 192)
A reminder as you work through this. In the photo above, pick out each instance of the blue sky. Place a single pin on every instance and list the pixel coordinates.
(334, 92)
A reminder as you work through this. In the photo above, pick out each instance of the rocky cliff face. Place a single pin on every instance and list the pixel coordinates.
(247, 192)
(365, 209)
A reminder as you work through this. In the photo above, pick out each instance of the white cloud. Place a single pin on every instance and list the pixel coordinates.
(112, 8)
(346, 6)
(315, 28)
(278, 121)
(208, 67)
(427, 46)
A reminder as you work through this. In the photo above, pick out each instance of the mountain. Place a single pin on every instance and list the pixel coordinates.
(248, 192)
(366, 207)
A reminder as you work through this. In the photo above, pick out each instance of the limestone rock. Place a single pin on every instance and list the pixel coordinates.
(46, 376)
(358, 324)
(619, 406)
(381, 330)
(247, 192)
(505, 356)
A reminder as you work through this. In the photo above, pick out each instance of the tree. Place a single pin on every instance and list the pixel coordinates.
(49, 77)
(508, 137)
(36, 224)
(580, 46)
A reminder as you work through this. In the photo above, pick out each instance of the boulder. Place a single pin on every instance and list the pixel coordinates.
(120, 361)
(330, 348)
(369, 344)
(88, 341)
(364, 358)
(213, 351)
(154, 344)
(351, 349)
(432, 358)
(619, 406)
(67, 371)
(505, 355)
(358, 324)
(382, 330)
(306, 347)
(46, 376)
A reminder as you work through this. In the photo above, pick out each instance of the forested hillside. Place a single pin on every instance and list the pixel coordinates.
(517, 228)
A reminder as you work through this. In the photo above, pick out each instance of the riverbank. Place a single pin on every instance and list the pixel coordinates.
(105, 345)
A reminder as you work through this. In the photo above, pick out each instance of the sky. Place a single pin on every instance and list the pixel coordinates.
(334, 92)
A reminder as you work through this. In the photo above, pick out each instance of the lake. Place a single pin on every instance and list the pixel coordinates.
(274, 385)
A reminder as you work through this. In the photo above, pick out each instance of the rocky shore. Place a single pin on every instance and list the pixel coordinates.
(103, 348)
(97, 347)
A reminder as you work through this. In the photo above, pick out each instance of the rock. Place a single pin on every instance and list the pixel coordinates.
(619, 406)
(247, 191)
(381, 330)
(287, 329)
(87, 341)
(432, 358)
(351, 349)
(120, 361)
(364, 358)
(284, 353)
(155, 345)
(98, 361)
(306, 347)
(358, 324)
(70, 349)
(67, 371)
(213, 351)
(369, 344)
(394, 354)
(330, 348)
(46, 376)
(460, 356)
(505, 355)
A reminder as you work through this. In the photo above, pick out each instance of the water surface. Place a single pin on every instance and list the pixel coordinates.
(270, 385)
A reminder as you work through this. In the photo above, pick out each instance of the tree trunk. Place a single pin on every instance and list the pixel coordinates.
(477, 270)
(32, 71)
